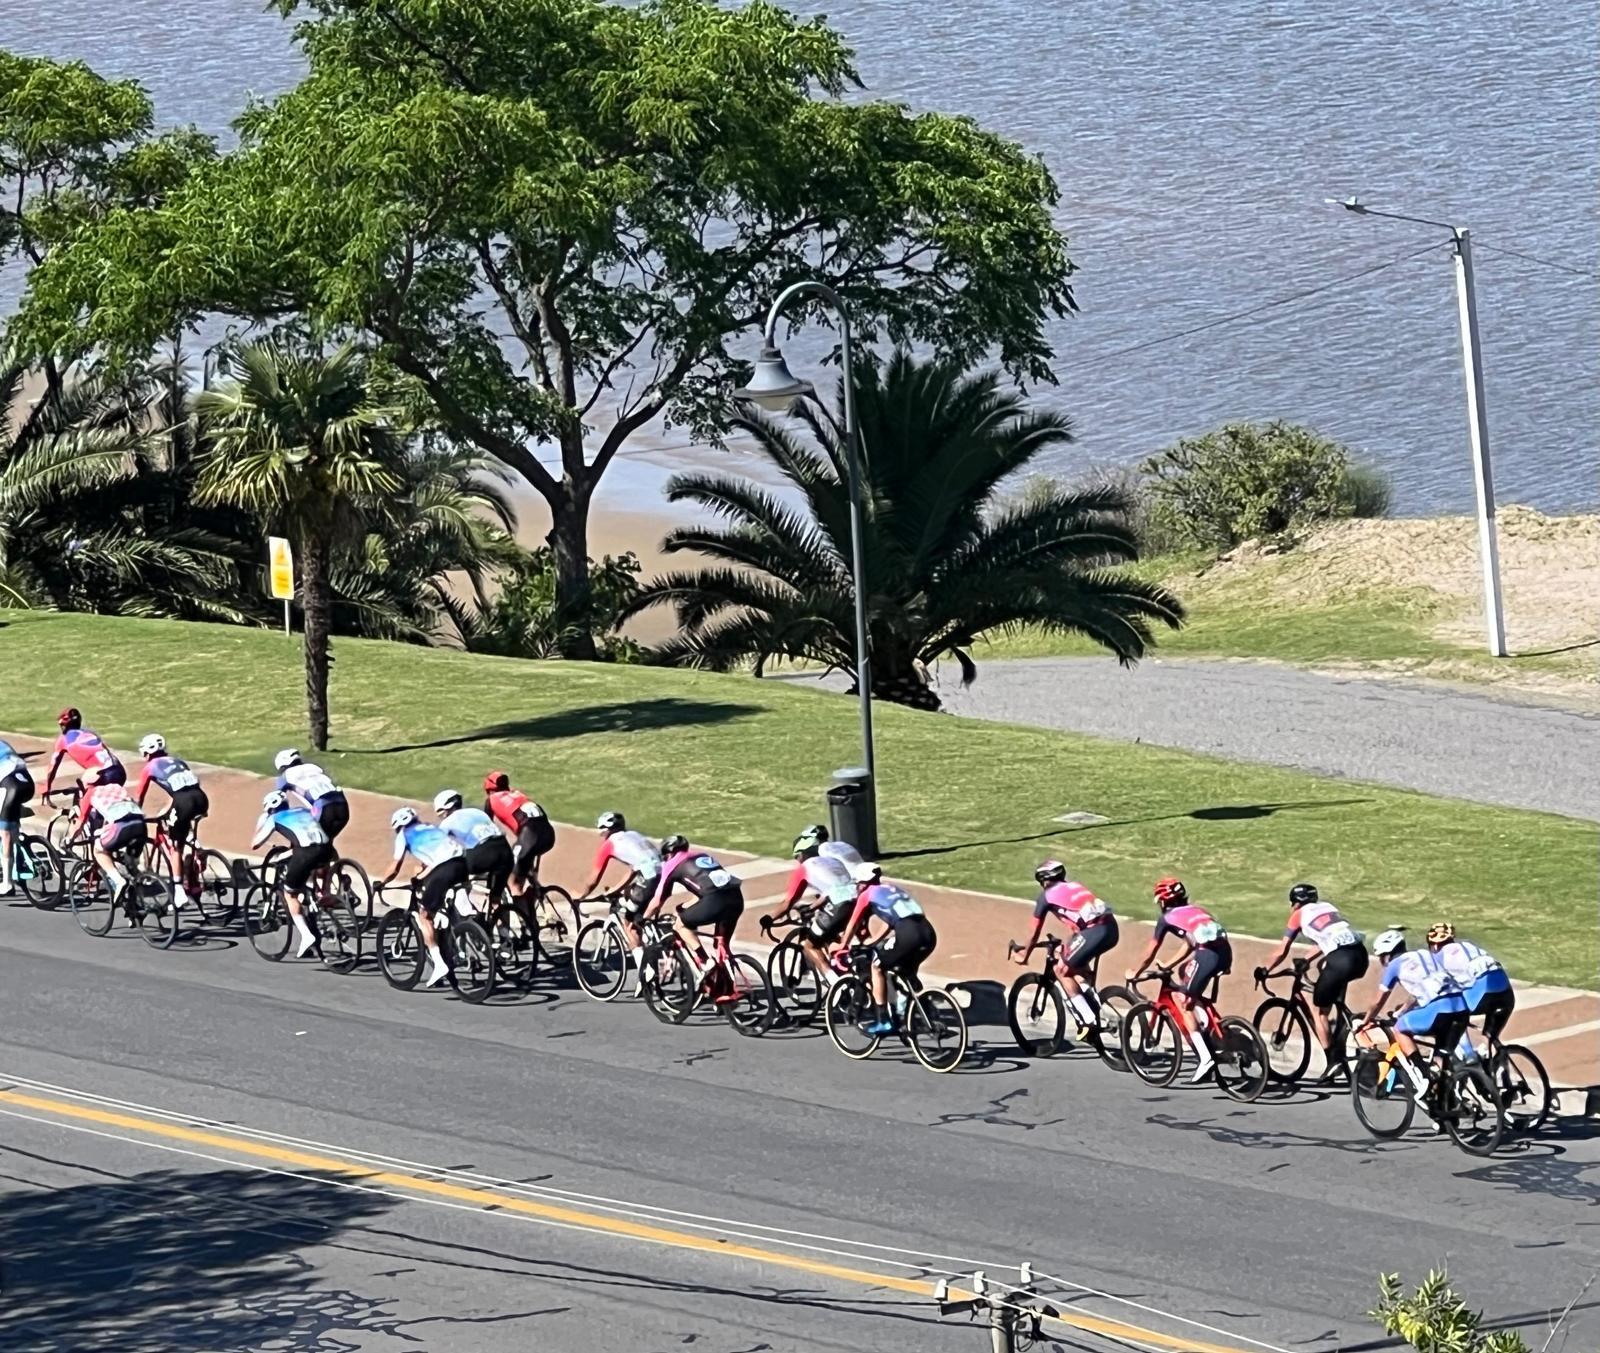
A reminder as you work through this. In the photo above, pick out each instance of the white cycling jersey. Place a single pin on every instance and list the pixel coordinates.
(829, 877)
(1321, 923)
(1422, 975)
(1466, 962)
(309, 782)
(637, 851)
(843, 851)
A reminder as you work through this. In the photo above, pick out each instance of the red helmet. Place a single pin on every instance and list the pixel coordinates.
(69, 717)
(496, 780)
(1170, 892)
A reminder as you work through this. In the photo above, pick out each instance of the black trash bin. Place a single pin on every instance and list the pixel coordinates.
(853, 810)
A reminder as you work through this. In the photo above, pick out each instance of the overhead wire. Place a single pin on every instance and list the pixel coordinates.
(1535, 258)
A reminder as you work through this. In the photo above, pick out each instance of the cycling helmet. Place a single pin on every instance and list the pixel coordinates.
(671, 845)
(809, 839)
(495, 781)
(274, 801)
(611, 822)
(152, 744)
(69, 717)
(865, 871)
(286, 758)
(1302, 894)
(1051, 871)
(1392, 941)
(446, 801)
(402, 818)
(1442, 932)
(1170, 892)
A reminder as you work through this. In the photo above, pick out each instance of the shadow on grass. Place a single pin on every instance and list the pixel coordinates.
(619, 717)
(1552, 652)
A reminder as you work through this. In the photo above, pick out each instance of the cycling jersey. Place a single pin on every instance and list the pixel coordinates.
(1321, 921)
(891, 903)
(471, 827)
(295, 825)
(635, 850)
(1072, 903)
(428, 846)
(1423, 977)
(11, 762)
(1195, 924)
(842, 851)
(1467, 963)
(108, 803)
(826, 876)
(172, 773)
(85, 748)
(696, 872)
(511, 808)
(309, 782)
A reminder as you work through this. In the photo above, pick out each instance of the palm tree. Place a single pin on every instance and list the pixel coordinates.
(301, 441)
(946, 559)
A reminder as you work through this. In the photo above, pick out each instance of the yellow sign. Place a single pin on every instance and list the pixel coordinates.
(280, 567)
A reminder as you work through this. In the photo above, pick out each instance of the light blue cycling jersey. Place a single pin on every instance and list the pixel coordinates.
(428, 846)
(471, 827)
(10, 762)
(296, 825)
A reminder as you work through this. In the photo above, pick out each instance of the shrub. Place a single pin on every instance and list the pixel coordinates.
(523, 621)
(1368, 491)
(1436, 1320)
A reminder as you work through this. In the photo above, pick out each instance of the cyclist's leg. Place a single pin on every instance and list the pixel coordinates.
(1204, 964)
(15, 790)
(1078, 960)
(703, 913)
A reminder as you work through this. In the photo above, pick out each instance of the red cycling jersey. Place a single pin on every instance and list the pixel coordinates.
(85, 748)
(506, 805)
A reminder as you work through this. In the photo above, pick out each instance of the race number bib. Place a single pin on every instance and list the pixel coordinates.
(1206, 932)
(720, 878)
(1093, 911)
(182, 779)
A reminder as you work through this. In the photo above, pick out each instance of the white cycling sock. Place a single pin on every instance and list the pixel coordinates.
(1080, 1003)
(637, 955)
(1199, 1045)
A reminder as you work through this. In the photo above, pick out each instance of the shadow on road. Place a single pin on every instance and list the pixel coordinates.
(619, 717)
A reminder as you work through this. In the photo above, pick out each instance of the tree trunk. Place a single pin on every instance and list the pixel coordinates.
(569, 543)
(315, 607)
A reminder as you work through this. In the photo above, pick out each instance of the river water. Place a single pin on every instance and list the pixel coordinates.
(1195, 145)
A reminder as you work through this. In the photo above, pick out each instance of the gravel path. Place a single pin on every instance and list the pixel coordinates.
(1441, 741)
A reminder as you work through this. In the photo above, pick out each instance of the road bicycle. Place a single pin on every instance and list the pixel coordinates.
(469, 954)
(357, 880)
(1154, 1045)
(523, 928)
(330, 902)
(1521, 1082)
(1037, 1004)
(601, 948)
(146, 901)
(36, 869)
(1286, 1026)
(63, 823)
(928, 1020)
(797, 987)
(208, 878)
(675, 984)
(1387, 1088)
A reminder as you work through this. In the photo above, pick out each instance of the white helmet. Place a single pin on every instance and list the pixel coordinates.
(446, 801)
(152, 744)
(611, 821)
(273, 802)
(402, 818)
(286, 758)
(1391, 940)
(865, 871)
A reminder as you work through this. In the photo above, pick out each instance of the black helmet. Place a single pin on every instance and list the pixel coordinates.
(809, 839)
(1302, 894)
(672, 845)
(1051, 871)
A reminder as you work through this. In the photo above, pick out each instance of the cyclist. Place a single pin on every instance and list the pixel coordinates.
(638, 852)
(442, 866)
(528, 826)
(309, 850)
(902, 946)
(823, 866)
(1089, 921)
(188, 801)
(97, 763)
(1484, 983)
(16, 789)
(1343, 961)
(1207, 954)
(487, 852)
(718, 896)
(312, 786)
(109, 812)
(1433, 1003)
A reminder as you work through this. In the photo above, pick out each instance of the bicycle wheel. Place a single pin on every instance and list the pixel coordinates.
(338, 936)
(38, 872)
(356, 887)
(154, 907)
(399, 949)
(670, 988)
(58, 831)
(1473, 1114)
(552, 915)
(1381, 1092)
(749, 1006)
(472, 964)
(349, 909)
(1152, 1044)
(1524, 1088)
(89, 898)
(218, 901)
(1288, 1038)
(1115, 1002)
(266, 922)
(1242, 1064)
(516, 943)
(600, 959)
(936, 1030)
(1037, 1014)
(796, 987)
(847, 1011)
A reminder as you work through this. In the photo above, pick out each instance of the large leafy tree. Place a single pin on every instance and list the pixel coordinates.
(947, 559)
(302, 441)
(555, 214)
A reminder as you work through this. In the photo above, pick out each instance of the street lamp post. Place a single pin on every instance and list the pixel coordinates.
(775, 388)
(1477, 417)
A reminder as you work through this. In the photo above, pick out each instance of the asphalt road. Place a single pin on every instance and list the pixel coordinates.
(752, 1179)
(1433, 738)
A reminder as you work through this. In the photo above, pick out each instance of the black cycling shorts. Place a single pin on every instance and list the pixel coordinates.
(904, 948)
(1099, 937)
(15, 790)
(828, 921)
(1209, 961)
(332, 812)
(303, 860)
(638, 895)
(1346, 964)
(490, 860)
(114, 774)
(124, 836)
(535, 837)
(1496, 1008)
(720, 907)
(188, 807)
(438, 881)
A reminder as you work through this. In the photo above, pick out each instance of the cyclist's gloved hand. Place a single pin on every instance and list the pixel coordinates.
(1261, 974)
(766, 923)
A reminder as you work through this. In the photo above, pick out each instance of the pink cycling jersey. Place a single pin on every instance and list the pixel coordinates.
(1189, 921)
(1072, 902)
(84, 747)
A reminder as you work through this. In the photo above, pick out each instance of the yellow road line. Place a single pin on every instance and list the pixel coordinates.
(590, 1221)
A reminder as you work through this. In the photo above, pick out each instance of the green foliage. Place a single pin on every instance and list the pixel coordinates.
(947, 560)
(525, 619)
(1367, 491)
(1245, 481)
(1436, 1320)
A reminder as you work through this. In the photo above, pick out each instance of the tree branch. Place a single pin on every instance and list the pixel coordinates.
(532, 343)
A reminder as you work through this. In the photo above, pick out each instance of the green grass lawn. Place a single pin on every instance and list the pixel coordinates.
(742, 763)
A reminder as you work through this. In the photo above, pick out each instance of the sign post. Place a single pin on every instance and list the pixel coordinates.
(280, 573)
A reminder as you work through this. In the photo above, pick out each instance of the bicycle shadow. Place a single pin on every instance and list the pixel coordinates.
(1538, 1165)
